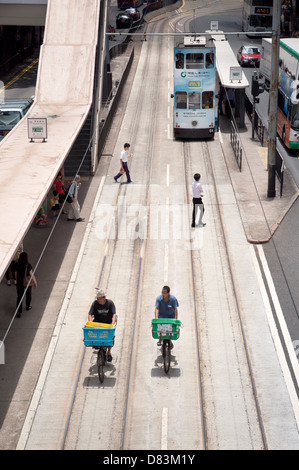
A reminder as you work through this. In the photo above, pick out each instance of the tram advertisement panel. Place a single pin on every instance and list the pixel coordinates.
(194, 88)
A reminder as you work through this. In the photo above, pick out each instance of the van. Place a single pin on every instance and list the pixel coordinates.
(11, 112)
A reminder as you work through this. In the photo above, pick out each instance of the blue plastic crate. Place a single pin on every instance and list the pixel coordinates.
(99, 336)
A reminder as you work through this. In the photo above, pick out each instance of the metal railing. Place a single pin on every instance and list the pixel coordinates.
(236, 144)
(262, 133)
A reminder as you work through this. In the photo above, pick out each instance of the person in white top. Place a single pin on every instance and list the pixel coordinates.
(124, 163)
(197, 192)
(74, 209)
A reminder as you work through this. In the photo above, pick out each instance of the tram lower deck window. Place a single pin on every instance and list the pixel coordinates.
(207, 99)
(194, 100)
(181, 100)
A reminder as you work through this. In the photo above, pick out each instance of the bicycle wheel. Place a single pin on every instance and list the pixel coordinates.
(166, 354)
(101, 362)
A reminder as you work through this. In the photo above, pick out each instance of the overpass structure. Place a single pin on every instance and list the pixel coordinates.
(64, 95)
(23, 12)
(225, 61)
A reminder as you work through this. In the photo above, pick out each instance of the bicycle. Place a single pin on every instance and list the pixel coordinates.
(100, 336)
(166, 330)
(101, 361)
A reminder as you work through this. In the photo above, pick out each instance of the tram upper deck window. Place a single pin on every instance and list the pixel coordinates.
(195, 61)
(194, 100)
(207, 99)
(179, 61)
(181, 100)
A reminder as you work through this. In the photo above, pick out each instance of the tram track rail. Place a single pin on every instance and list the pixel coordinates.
(133, 340)
(197, 334)
(210, 171)
(140, 247)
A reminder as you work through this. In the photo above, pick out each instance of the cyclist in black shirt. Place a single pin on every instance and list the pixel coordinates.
(102, 310)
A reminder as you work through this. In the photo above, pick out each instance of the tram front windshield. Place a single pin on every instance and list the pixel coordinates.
(195, 61)
(260, 21)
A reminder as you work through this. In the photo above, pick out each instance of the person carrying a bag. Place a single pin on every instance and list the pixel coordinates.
(25, 280)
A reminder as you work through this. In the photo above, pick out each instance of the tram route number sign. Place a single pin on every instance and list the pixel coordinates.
(194, 84)
(37, 129)
(262, 10)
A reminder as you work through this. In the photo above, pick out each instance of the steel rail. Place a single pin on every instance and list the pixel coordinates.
(140, 269)
(144, 240)
(232, 277)
(210, 33)
(186, 153)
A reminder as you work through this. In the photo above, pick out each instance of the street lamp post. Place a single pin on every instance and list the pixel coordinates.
(273, 95)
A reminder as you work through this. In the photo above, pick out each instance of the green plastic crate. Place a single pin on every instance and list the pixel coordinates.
(166, 328)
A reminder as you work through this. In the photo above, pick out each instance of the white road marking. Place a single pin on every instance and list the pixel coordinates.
(274, 331)
(220, 136)
(166, 254)
(164, 429)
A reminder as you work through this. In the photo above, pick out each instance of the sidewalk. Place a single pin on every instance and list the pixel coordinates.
(260, 215)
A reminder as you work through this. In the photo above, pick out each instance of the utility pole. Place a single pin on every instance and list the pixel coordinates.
(273, 95)
(256, 89)
(99, 90)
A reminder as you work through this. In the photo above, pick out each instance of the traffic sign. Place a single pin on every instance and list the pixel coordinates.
(37, 128)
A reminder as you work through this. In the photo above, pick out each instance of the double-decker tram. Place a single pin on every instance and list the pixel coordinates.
(257, 15)
(288, 95)
(194, 110)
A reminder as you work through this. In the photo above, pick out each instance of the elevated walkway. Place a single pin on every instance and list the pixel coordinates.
(64, 96)
(225, 60)
(23, 13)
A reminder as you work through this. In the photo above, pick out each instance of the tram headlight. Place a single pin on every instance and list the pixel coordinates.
(194, 123)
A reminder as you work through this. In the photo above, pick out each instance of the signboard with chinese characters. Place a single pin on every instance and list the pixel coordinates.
(235, 73)
(214, 25)
(37, 128)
